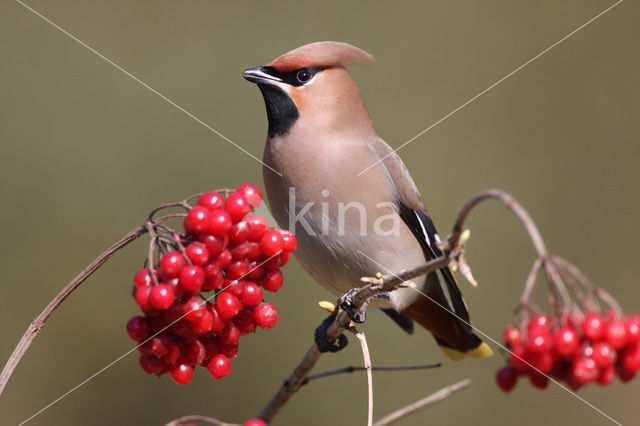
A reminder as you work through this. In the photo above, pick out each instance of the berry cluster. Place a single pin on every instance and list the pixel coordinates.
(593, 348)
(225, 250)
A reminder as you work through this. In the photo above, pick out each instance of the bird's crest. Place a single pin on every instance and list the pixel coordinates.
(320, 54)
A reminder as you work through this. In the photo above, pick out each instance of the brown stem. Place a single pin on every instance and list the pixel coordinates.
(197, 418)
(525, 299)
(353, 369)
(430, 400)
(36, 326)
(534, 234)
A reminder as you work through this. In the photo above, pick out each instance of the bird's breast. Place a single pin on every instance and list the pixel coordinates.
(347, 226)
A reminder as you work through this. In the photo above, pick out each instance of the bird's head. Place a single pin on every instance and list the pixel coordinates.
(311, 86)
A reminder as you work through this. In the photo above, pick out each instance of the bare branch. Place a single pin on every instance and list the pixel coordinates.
(430, 400)
(353, 369)
(39, 322)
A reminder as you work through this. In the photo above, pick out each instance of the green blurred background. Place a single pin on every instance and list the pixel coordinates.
(87, 152)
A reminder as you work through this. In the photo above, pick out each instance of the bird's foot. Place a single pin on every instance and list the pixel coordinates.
(321, 340)
(346, 304)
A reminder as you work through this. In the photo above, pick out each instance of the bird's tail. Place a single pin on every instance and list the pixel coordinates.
(450, 327)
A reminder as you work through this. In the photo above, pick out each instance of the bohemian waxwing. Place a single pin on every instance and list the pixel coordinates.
(351, 224)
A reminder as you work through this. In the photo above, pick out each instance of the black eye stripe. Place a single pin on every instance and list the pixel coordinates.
(291, 77)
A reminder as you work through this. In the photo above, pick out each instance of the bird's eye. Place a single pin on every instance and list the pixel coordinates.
(303, 76)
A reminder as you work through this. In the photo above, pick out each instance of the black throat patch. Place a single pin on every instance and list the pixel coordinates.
(281, 111)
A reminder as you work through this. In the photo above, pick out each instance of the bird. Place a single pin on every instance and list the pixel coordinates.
(348, 197)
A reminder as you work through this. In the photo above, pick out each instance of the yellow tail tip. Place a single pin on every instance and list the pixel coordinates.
(482, 351)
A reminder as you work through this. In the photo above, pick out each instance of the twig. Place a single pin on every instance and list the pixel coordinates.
(430, 400)
(367, 365)
(36, 326)
(353, 369)
(196, 418)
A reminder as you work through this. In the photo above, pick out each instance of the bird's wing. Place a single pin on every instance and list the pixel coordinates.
(412, 210)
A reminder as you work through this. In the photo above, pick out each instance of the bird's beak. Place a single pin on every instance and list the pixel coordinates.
(258, 76)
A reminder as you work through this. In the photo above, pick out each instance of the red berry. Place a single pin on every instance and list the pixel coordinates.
(603, 354)
(204, 324)
(192, 277)
(271, 242)
(615, 332)
(142, 277)
(257, 226)
(630, 358)
(266, 315)
(211, 346)
(197, 253)
(213, 282)
(181, 373)
(538, 380)
(218, 322)
(193, 309)
(219, 366)
(272, 280)
(173, 353)
(633, 328)
(171, 263)
(506, 378)
(215, 244)
(227, 304)
(254, 422)
(224, 258)
(517, 358)
(607, 375)
(565, 342)
(197, 219)
(290, 242)
(239, 232)
(211, 200)
(174, 313)
(237, 269)
(511, 335)
(230, 334)
(161, 296)
(230, 351)
(593, 326)
(539, 340)
(142, 296)
(237, 206)
(540, 361)
(625, 374)
(245, 322)
(138, 328)
(251, 294)
(585, 370)
(193, 353)
(220, 222)
(252, 193)
(151, 364)
(539, 321)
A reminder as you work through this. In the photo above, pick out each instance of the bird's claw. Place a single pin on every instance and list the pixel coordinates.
(345, 302)
(321, 340)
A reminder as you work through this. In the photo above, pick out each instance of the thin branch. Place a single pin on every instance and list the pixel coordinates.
(430, 400)
(367, 365)
(353, 369)
(196, 418)
(36, 326)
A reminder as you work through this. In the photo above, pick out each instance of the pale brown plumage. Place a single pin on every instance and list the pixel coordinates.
(320, 138)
